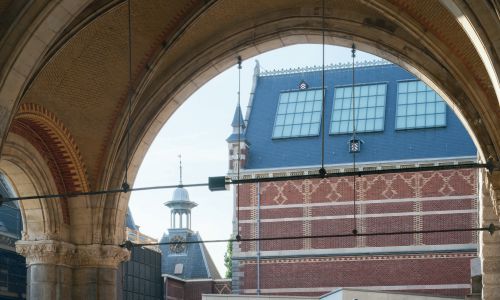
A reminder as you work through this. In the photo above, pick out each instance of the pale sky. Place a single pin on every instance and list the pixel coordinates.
(198, 131)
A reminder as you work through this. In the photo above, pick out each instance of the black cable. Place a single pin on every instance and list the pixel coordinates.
(355, 230)
(322, 170)
(238, 236)
(489, 166)
(125, 184)
(491, 229)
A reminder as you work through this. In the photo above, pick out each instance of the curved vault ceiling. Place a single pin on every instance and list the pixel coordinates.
(179, 45)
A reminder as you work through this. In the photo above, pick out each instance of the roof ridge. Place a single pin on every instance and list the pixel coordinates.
(337, 66)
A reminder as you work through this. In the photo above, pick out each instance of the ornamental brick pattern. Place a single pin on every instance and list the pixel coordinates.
(385, 203)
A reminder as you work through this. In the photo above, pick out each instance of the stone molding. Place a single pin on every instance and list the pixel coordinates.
(46, 252)
(492, 183)
(67, 254)
(101, 255)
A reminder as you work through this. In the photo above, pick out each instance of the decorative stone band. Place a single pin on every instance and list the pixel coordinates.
(101, 256)
(67, 254)
(46, 252)
(492, 182)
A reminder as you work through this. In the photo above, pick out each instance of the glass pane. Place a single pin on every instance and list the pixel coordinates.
(431, 96)
(380, 100)
(364, 90)
(401, 111)
(293, 97)
(305, 129)
(301, 96)
(379, 112)
(295, 130)
(370, 113)
(300, 107)
(280, 120)
(372, 90)
(277, 131)
(346, 115)
(291, 108)
(284, 97)
(362, 113)
(400, 122)
(289, 119)
(357, 91)
(410, 122)
(381, 89)
(440, 107)
(430, 120)
(410, 110)
(412, 97)
(318, 95)
(440, 119)
(282, 108)
(346, 103)
(402, 98)
(403, 87)
(420, 121)
(297, 119)
(308, 106)
(336, 115)
(316, 117)
(379, 124)
(314, 128)
(317, 106)
(335, 127)
(412, 86)
(430, 108)
(363, 102)
(421, 86)
(307, 118)
(343, 127)
(420, 109)
(348, 92)
(370, 124)
(287, 130)
(361, 124)
(339, 92)
(337, 104)
(421, 96)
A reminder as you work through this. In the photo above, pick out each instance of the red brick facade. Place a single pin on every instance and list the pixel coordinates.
(435, 263)
(178, 289)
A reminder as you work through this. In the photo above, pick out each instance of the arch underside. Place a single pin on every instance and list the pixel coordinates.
(81, 75)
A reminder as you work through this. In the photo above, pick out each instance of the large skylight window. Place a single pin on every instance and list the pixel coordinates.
(369, 107)
(419, 106)
(298, 114)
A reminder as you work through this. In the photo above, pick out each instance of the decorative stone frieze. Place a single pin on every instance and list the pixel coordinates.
(46, 252)
(492, 182)
(67, 254)
(101, 256)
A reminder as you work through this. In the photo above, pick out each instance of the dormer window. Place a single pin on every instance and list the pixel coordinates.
(298, 114)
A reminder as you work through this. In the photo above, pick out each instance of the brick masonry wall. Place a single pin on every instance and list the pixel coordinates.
(385, 203)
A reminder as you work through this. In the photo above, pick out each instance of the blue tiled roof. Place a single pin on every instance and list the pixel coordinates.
(237, 118)
(129, 221)
(196, 261)
(388, 145)
(10, 216)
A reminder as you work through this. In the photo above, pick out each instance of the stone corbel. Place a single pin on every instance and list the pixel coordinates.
(108, 256)
(46, 252)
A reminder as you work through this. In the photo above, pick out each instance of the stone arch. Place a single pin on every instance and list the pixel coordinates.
(41, 157)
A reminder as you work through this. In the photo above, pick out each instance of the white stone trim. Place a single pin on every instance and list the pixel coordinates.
(359, 250)
(363, 216)
(379, 287)
(378, 201)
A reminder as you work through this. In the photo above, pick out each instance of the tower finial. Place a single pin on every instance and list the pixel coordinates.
(180, 169)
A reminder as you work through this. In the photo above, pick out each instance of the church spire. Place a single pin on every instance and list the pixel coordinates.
(180, 170)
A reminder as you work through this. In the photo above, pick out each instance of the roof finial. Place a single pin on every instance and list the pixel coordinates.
(180, 170)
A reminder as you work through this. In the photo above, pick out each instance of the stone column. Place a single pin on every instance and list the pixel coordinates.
(49, 268)
(95, 271)
(490, 244)
(59, 270)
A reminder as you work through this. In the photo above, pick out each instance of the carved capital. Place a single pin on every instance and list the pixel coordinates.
(492, 183)
(109, 256)
(46, 252)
